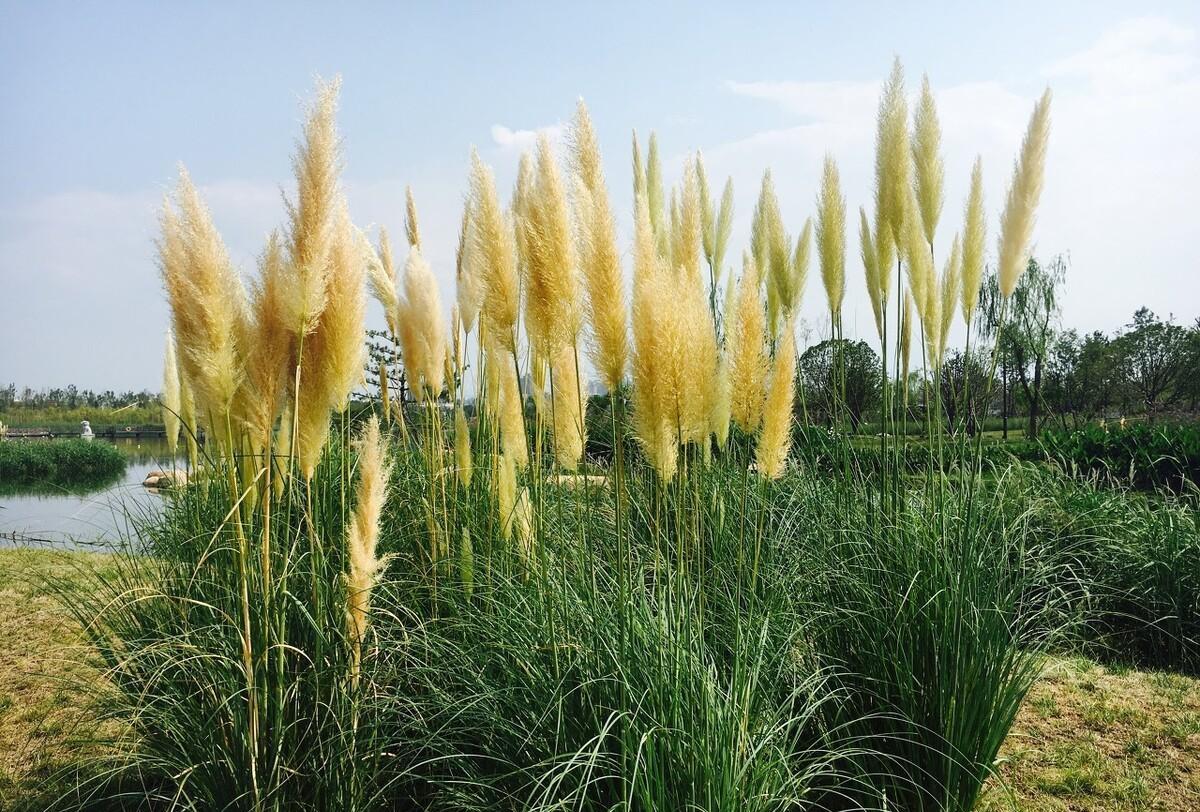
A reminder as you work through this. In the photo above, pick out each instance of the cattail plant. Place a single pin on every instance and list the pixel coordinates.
(1016, 223)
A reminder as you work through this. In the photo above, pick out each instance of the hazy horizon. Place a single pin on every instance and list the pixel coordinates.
(101, 104)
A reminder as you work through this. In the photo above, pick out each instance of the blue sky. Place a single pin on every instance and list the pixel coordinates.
(101, 101)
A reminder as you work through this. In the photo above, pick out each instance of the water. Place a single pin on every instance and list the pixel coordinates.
(100, 518)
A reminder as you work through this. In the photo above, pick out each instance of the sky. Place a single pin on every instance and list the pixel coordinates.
(100, 103)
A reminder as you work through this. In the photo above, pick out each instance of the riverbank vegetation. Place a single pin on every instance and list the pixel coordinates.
(57, 465)
(424, 608)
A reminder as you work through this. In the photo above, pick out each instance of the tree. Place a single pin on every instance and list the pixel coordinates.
(1030, 320)
(828, 389)
(964, 388)
(1153, 355)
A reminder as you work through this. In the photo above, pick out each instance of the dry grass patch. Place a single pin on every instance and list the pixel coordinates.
(1097, 738)
(43, 697)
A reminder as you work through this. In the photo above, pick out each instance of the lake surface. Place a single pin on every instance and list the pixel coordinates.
(99, 518)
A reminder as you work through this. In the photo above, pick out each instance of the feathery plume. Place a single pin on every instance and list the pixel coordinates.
(708, 216)
(462, 447)
(654, 189)
(268, 347)
(653, 423)
(722, 402)
(831, 236)
(569, 429)
(974, 236)
(492, 241)
(381, 274)
(893, 159)
(506, 493)
(207, 301)
(343, 320)
(172, 404)
(311, 216)
(362, 536)
(870, 260)
(723, 229)
(1016, 223)
(639, 170)
(927, 160)
(746, 346)
(512, 410)
(468, 275)
(422, 331)
(552, 310)
(599, 257)
(922, 277)
(951, 285)
(690, 227)
(770, 454)
(411, 230)
(799, 268)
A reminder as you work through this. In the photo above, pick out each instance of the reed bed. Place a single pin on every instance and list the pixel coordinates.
(499, 596)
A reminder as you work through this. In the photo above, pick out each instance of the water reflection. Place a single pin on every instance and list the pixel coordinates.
(87, 518)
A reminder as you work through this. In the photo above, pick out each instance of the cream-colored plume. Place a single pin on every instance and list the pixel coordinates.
(462, 447)
(411, 230)
(552, 308)
(381, 273)
(492, 241)
(927, 161)
(172, 403)
(1020, 209)
(468, 275)
(974, 237)
(512, 409)
(422, 329)
(311, 216)
(870, 261)
(746, 346)
(951, 286)
(831, 236)
(599, 256)
(569, 428)
(506, 493)
(893, 158)
(775, 439)
(362, 536)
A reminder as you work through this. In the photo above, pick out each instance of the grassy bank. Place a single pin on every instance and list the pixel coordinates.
(1088, 738)
(55, 465)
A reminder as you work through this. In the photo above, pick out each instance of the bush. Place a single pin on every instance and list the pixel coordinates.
(1144, 455)
(58, 464)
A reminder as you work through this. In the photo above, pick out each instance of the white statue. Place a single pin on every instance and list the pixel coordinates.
(85, 430)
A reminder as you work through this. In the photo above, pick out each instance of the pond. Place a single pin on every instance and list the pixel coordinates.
(81, 519)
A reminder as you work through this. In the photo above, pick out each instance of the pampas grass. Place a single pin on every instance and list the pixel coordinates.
(422, 329)
(468, 275)
(172, 396)
(927, 161)
(569, 428)
(311, 215)
(770, 455)
(1020, 208)
(746, 346)
(362, 537)
(831, 237)
(974, 237)
(599, 257)
(893, 159)
(492, 245)
(951, 285)
(411, 229)
(463, 464)
(870, 261)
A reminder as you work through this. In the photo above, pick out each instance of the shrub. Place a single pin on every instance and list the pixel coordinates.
(58, 464)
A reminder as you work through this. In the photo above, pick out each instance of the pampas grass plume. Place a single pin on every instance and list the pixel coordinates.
(893, 159)
(927, 160)
(1016, 223)
(172, 403)
(411, 230)
(462, 447)
(423, 331)
(492, 242)
(746, 347)
(600, 257)
(770, 455)
(974, 236)
(831, 236)
(569, 429)
(870, 261)
(362, 535)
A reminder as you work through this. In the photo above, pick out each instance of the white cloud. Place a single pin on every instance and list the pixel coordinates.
(1122, 169)
(522, 140)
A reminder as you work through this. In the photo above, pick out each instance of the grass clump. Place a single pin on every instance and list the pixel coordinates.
(58, 465)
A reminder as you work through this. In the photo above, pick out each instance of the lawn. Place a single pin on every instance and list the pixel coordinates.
(1089, 737)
